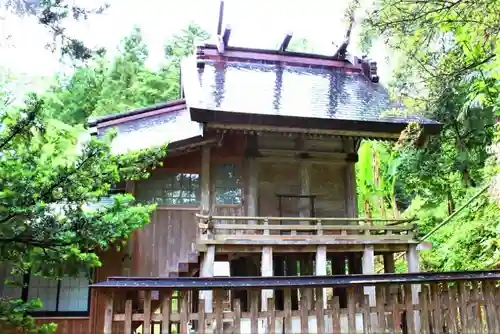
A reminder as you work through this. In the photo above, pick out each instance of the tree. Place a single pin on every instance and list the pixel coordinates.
(448, 69)
(52, 14)
(47, 179)
(183, 43)
(104, 86)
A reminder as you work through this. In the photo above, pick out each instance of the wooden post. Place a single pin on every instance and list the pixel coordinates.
(369, 268)
(205, 179)
(207, 270)
(321, 268)
(108, 315)
(266, 271)
(350, 181)
(166, 308)
(146, 323)
(389, 266)
(414, 267)
(253, 189)
(207, 265)
(128, 316)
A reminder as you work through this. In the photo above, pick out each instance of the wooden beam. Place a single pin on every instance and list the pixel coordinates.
(226, 35)
(286, 41)
(221, 17)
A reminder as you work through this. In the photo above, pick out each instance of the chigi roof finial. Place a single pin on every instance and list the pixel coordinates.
(370, 69)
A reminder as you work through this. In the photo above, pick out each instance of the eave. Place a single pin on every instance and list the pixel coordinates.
(280, 123)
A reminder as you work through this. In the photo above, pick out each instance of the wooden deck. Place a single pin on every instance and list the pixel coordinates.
(404, 303)
(236, 231)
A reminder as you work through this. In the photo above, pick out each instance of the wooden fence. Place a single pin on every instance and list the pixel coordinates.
(442, 306)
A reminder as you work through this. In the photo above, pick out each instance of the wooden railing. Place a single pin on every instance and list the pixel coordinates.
(447, 303)
(225, 229)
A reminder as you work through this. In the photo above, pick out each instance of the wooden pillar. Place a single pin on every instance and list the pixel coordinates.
(306, 267)
(279, 270)
(291, 270)
(414, 267)
(252, 199)
(355, 266)
(338, 268)
(205, 199)
(320, 269)
(305, 188)
(266, 271)
(207, 265)
(108, 315)
(389, 266)
(369, 268)
(350, 180)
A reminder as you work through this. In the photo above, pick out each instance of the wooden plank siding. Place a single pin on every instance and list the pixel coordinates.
(166, 241)
(112, 264)
(67, 325)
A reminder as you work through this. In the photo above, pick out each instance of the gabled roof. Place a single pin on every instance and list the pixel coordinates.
(264, 89)
(247, 86)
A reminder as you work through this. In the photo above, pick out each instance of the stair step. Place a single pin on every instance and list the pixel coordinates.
(183, 267)
(193, 257)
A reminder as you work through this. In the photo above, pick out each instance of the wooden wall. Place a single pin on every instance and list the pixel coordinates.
(112, 261)
(67, 325)
(64, 325)
(164, 242)
(325, 179)
(327, 182)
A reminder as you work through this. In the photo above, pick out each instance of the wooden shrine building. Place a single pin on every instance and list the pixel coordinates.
(260, 181)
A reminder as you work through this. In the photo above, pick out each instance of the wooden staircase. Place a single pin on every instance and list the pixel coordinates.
(188, 266)
(166, 247)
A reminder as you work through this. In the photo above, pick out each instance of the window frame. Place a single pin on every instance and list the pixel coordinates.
(173, 181)
(24, 297)
(237, 169)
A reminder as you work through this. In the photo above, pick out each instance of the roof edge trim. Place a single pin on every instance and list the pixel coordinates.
(246, 119)
(145, 110)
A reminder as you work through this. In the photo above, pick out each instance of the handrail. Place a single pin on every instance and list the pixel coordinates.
(321, 219)
(407, 227)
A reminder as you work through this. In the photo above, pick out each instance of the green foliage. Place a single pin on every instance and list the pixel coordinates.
(445, 56)
(183, 43)
(49, 175)
(47, 179)
(376, 175)
(14, 316)
(107, 86)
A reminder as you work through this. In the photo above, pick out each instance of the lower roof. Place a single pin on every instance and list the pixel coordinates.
(153, 283)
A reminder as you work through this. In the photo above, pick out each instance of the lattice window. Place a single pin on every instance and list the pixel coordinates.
(228, 184)
(170, 188)
(44, 289)
(68, 296)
